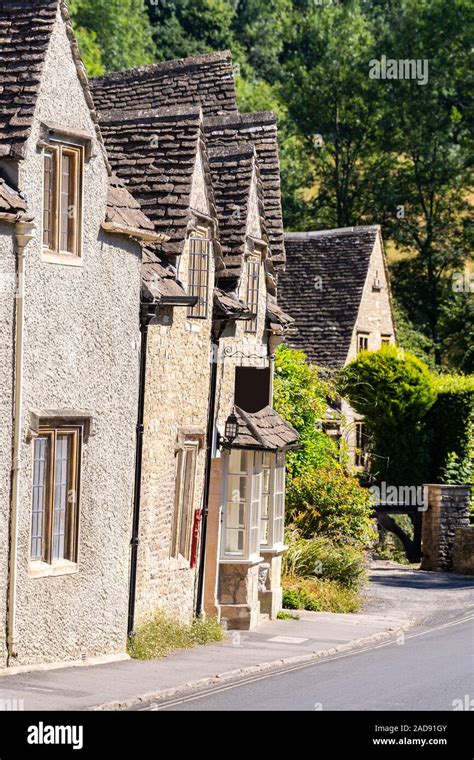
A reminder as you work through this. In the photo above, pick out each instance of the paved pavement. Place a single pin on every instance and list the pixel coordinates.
(395, 599)
(430, 670)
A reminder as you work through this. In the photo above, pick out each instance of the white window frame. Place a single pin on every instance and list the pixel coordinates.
(252, 508)
(276, 507)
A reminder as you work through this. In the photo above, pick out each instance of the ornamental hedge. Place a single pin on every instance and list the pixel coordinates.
(420, 424)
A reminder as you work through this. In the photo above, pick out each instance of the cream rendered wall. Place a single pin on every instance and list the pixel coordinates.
(7, 326)
(375, 317)
(81, 352)
(177, 398)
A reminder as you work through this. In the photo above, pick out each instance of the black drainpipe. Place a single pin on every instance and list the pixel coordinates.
(147, 312)
(207, 475)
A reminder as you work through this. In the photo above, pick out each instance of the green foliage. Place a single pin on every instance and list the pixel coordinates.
(300, 396)
(389, 386)
(283, 615)
(318, 595)
(452, 422)
(325, 501)
(161, 634)
(183, 28)
(321, 557)
(421, 424)
(112, 34)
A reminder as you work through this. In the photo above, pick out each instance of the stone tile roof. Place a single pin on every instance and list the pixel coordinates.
(232, 168)
(25, 30)
(264, 430)
(260, 129)
(206, 80)
(278, 321)
(229, 306)
(154, 151)
(159, 279)
(322, 288)
(124, 213)
(11, 202)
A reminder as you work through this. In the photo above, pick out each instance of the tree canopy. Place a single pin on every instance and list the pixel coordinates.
(357, 146)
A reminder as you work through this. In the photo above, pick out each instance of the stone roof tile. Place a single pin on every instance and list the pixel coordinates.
(322, 288)
(264, 430)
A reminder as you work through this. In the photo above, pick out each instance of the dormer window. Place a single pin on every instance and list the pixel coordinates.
(198, 273)
(62, 199)
(253, 282)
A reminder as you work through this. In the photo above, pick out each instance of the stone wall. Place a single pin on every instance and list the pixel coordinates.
(448, 510)
(463, 554)
(176, 400)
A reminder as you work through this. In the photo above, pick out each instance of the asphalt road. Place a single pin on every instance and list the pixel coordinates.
(431, 669)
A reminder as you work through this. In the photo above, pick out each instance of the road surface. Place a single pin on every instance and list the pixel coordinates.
(429, 670)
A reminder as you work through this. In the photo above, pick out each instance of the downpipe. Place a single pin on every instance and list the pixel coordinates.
(24, 229)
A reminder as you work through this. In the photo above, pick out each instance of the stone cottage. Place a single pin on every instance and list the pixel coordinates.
(208, 177)
(71, 241)
(336, 286)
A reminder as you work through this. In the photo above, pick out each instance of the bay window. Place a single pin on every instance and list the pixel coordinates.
(254, 507)
(273, 500)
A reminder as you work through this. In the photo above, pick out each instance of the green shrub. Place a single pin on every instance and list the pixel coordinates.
(318, 595)
(389, 385)
(452, 421)
(161, 634)
(327, 501)
(321, 557)
(301, 397)
(283, 615)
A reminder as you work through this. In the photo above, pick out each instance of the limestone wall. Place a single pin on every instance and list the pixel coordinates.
(448, 511)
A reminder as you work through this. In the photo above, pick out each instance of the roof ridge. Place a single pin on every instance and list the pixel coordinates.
(309, 234)
(114, 116)
(175, 63)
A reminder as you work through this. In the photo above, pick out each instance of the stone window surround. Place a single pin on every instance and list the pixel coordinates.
(61, 417)
(197, 437)
(54, 135)
(54, 418)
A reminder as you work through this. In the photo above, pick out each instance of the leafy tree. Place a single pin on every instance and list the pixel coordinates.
(427, 133)
(335, 109)
(190, 27)
(113, 34)
(300, 396)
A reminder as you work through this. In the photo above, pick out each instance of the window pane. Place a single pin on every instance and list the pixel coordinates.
(198, 275)
(238, 461)
(234, 543)
(61, 469)
(253, 277)
(39, 494)
(67, 200)
(48, 200)
(237, 488)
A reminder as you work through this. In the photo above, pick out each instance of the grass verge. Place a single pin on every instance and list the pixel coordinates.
(318, 595)
(161, 635)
